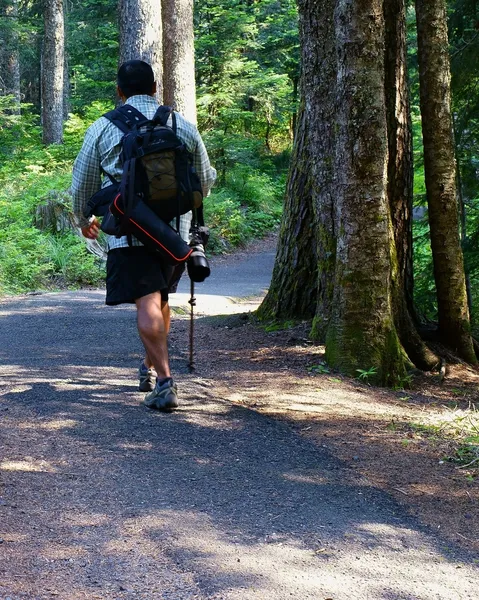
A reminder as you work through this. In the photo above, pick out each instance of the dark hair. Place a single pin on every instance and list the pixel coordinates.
(135, 77)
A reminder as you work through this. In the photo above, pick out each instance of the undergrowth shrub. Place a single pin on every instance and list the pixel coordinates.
(245, 203)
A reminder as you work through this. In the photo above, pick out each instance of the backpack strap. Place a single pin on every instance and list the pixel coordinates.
(163, 114)
(125, 117)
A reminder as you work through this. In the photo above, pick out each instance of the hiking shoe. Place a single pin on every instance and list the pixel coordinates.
(163, 397)
(147, 378)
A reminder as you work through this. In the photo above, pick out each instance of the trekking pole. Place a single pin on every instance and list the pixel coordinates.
(192, 302)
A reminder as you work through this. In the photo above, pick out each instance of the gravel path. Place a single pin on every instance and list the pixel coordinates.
(101, 498)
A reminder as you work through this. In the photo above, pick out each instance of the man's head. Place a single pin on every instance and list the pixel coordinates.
(135, 77)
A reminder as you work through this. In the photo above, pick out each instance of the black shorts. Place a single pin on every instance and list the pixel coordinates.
(132, 273)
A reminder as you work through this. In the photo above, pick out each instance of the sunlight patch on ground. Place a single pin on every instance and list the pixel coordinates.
(314, 479)
(30, 465)
(210, 305)
(62, 552)
(54, 425)
(371, 559)
(277, 394)
(19, 389)
(206, 414)
(147, 446)
(28, 311)
(69, 386)
(13, 537)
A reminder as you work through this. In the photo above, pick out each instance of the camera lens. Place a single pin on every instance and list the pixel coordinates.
(198, 267)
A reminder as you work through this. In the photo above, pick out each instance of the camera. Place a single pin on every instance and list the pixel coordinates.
(198, 267)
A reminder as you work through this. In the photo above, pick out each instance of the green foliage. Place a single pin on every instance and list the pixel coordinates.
(71, 261)
(404, 383)
(366, 374)
(24, 261)
(247, 61)
(31, 259)
(247, 202)
(92, 45)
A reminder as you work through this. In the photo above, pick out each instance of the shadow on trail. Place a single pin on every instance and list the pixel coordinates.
(242, 501)
(214, 482)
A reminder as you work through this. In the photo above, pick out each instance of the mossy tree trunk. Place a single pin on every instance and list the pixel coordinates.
(179, 88)
(400, 182)
(141, 36)
(440, 176)
(320, 73)
(361, 333)
(348, 202)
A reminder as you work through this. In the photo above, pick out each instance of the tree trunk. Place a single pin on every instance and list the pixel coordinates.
(440, 175)
(66, 76)
(400, 171)
(9, 55)
(319, 56)
(52, 72)
(179, 57)
(141, 35)
(294, 287)
(344, 252)
(400, 182)
(361, 333)
(66, 90)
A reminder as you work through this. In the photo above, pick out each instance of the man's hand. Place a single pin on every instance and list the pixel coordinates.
(91, 230)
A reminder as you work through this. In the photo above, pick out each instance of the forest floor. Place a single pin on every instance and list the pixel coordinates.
(407, 442)
(412, 442)
(275, 479)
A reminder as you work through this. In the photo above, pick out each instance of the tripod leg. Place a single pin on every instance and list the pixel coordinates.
(192, 302)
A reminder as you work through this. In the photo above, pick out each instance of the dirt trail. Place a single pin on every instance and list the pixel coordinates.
(101, 498)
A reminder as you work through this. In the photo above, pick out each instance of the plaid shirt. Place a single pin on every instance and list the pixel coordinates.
(100, 154)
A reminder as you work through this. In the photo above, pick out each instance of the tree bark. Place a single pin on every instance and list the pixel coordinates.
(52, 72)
(293, 289)
(297, 275)
(141, 36)
(179, 88)
(361, 333)
(344, 252)
(66, 75)
(319, 56)
(10, 56)
(440, 175)
(400, 171)
(400, 183)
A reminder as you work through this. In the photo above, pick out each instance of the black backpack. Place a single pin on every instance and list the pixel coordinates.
(156, 163)
(159, 182)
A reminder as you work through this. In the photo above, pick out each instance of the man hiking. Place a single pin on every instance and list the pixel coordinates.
(135, 274)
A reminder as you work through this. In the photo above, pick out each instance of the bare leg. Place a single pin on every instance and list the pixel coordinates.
(153, 325)
(165, 309)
